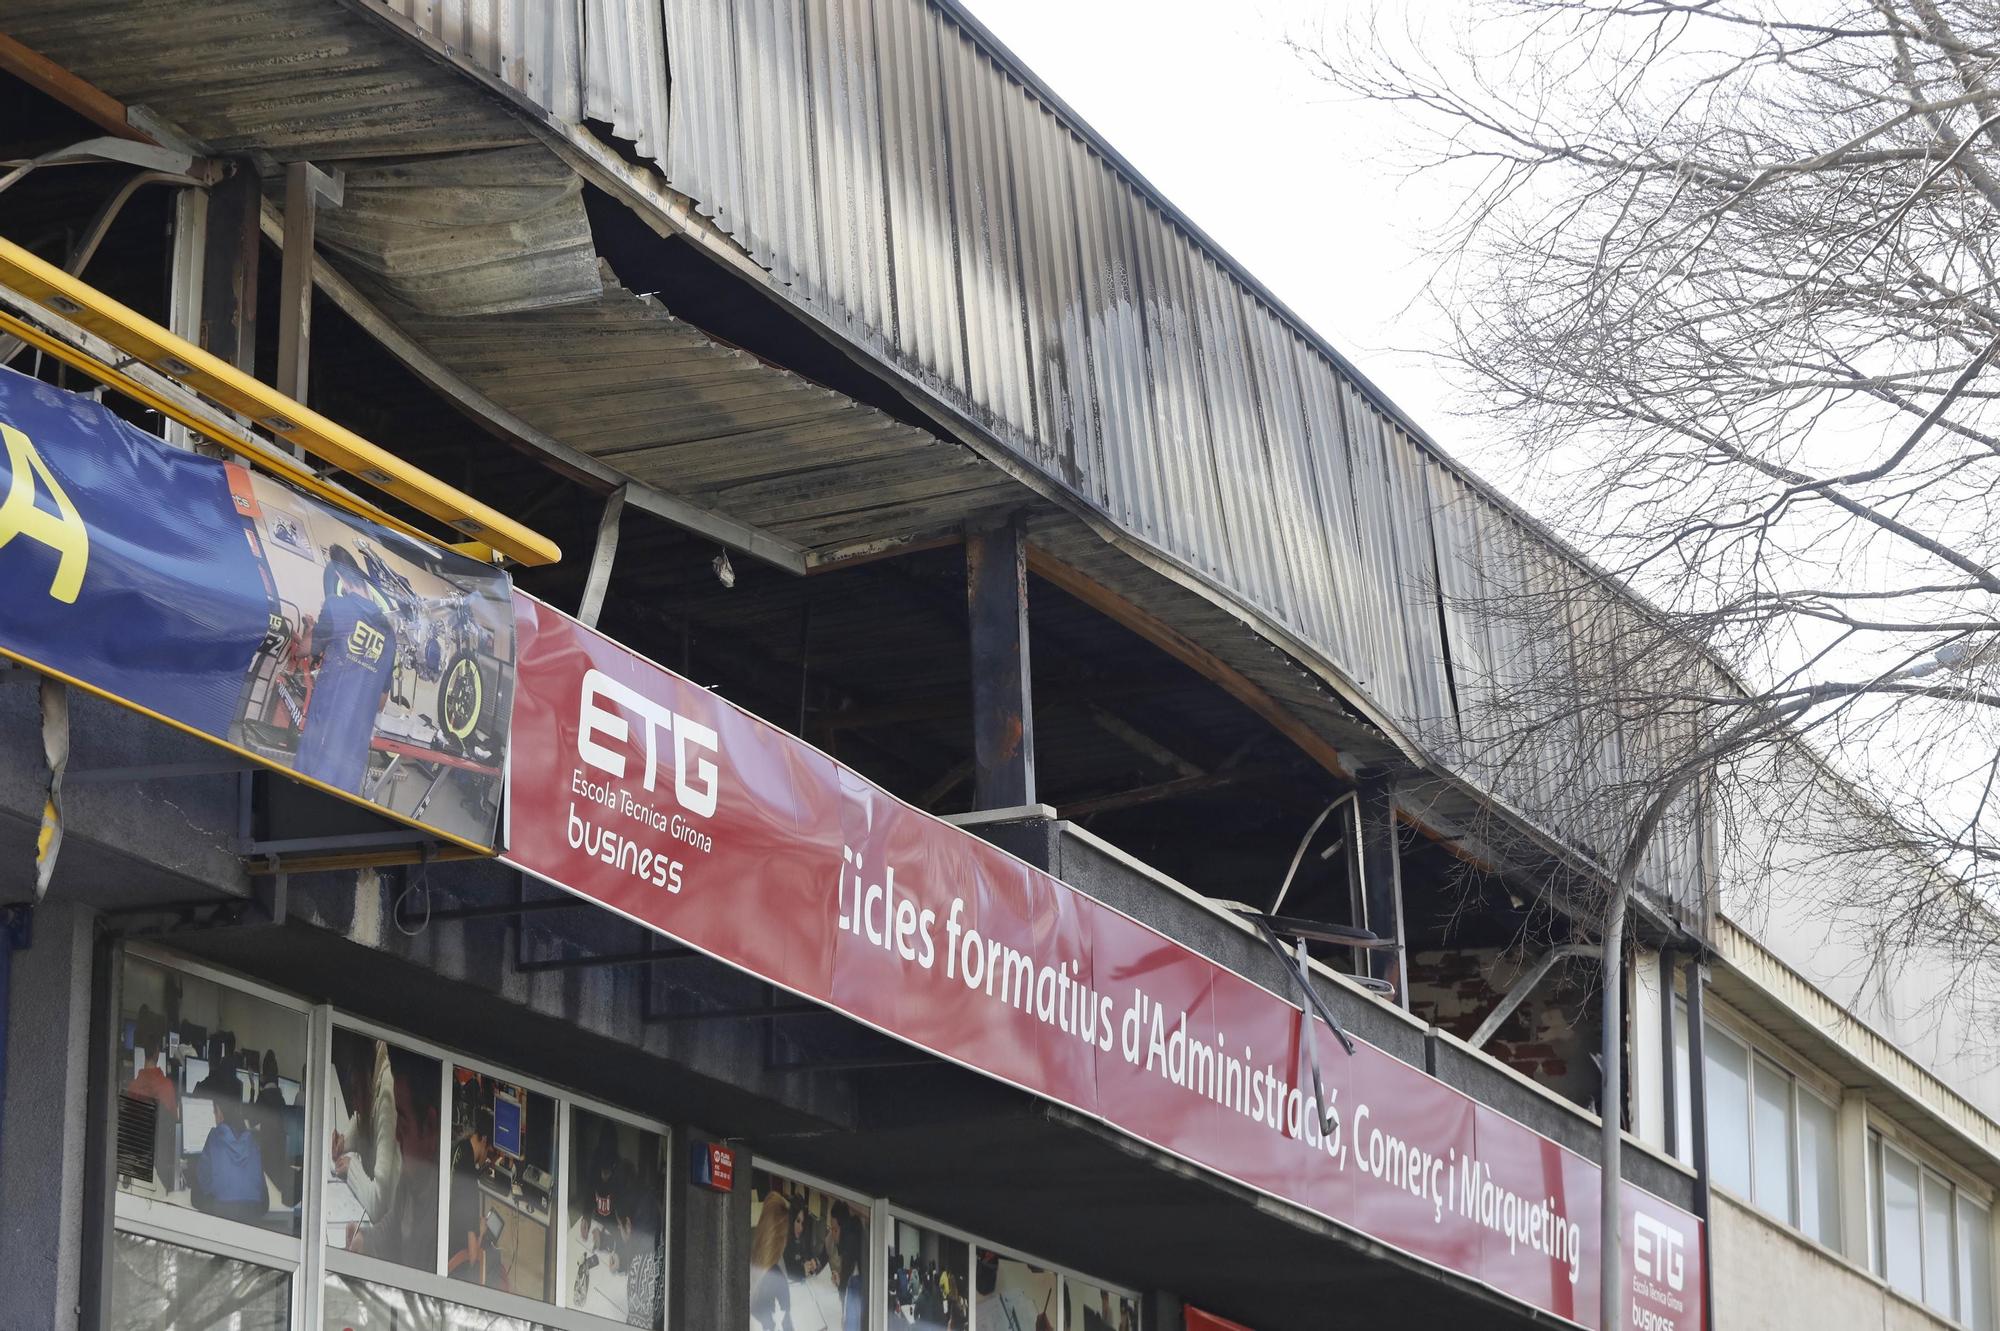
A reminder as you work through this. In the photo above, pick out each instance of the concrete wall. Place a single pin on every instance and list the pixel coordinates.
(1525, 1096)
(1767, 1275)
(42, 1133)
(1822, 915)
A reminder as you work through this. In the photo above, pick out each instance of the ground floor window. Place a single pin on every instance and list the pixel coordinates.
(358, 1305)
(158, 1286)
(809, 1256)
(258, 1134)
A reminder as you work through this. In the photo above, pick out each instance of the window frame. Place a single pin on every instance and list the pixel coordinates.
(198, 1231)
(305, 1258)
(434, 1283)
(1801, 1082)
(1884, 1136)
(973, 1243)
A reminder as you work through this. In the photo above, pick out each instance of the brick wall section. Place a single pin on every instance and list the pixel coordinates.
(1550, 1037)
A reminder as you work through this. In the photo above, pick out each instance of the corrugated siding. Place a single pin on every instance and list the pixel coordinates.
(906, 188)
(575, 59)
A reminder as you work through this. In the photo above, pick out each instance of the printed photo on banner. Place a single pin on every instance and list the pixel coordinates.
(1012, 1295)
(927, 1280)
(500, 1231)
(388, 669)
(381, 1195)
(617, 1224)
(322, 643)
(808, 1257)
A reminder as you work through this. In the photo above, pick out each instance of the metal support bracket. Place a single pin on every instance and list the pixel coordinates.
(602, 558)
(266, 907)
(1524, 986)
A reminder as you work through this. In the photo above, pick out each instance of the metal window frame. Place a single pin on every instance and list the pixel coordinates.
(1758, 1062)
(1884, 1145)
(1802, 1083)
(305, 1258)
(1959, 1200)
(878, 1244)
(185, 1227)
(1801, 1090)
(973, 1244)
(434, 1283)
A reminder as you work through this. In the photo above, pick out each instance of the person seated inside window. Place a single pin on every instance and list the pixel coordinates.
(476, 1226)
(229, 1176)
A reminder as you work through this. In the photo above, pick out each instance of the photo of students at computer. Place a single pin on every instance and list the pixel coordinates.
(382, 1189)
(808, 1258)
(617, 1180)
(500, 1231)
(210, 1113)
(927, 1281)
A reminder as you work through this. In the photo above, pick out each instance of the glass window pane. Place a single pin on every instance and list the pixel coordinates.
(158, 1287)
(617, 1226)
(501, 1231)
(1009, 1293)
(210, 1112)
(1902, 1249)
(927, 1280)
(1939, 1287)
(1771, 1141)
(1728, 1112)
(1087, 1307)
(357, 1305)
(808, 1257)
(383, 1107)
(1975, 1265)
(1819, 1170)
(1683, 1088)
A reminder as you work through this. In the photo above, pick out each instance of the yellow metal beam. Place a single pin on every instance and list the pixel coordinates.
(220, 382)
(265, 456)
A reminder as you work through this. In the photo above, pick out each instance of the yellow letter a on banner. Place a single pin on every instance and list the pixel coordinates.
(62, 531)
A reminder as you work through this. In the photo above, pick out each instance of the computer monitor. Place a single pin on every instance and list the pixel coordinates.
(194, 1071)
(289, 1089)
(197, 1121)
(509, 1122)
(130, 1034)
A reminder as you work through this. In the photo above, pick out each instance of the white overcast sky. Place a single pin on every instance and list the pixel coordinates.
(1305, 190)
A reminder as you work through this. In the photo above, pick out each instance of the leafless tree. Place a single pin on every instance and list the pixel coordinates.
(1725, 282)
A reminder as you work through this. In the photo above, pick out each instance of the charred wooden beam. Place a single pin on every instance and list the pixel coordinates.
(234, 243)
(1003, 716)
(1143, 744)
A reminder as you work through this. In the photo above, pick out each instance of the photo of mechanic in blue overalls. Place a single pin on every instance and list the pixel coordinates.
(356, 644)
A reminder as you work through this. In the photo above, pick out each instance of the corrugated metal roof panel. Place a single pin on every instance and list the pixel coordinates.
(470, 233)
(298, 81)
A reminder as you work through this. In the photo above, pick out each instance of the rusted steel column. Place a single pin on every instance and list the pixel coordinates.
(1003, 716)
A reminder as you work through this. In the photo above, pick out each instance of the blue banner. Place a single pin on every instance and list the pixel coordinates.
(356, 657)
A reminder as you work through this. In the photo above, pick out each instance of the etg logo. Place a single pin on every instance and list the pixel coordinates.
(695, 783)
(1659, 1251)
(365, 644)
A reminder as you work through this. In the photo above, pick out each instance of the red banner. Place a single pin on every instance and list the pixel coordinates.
(648, 794)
